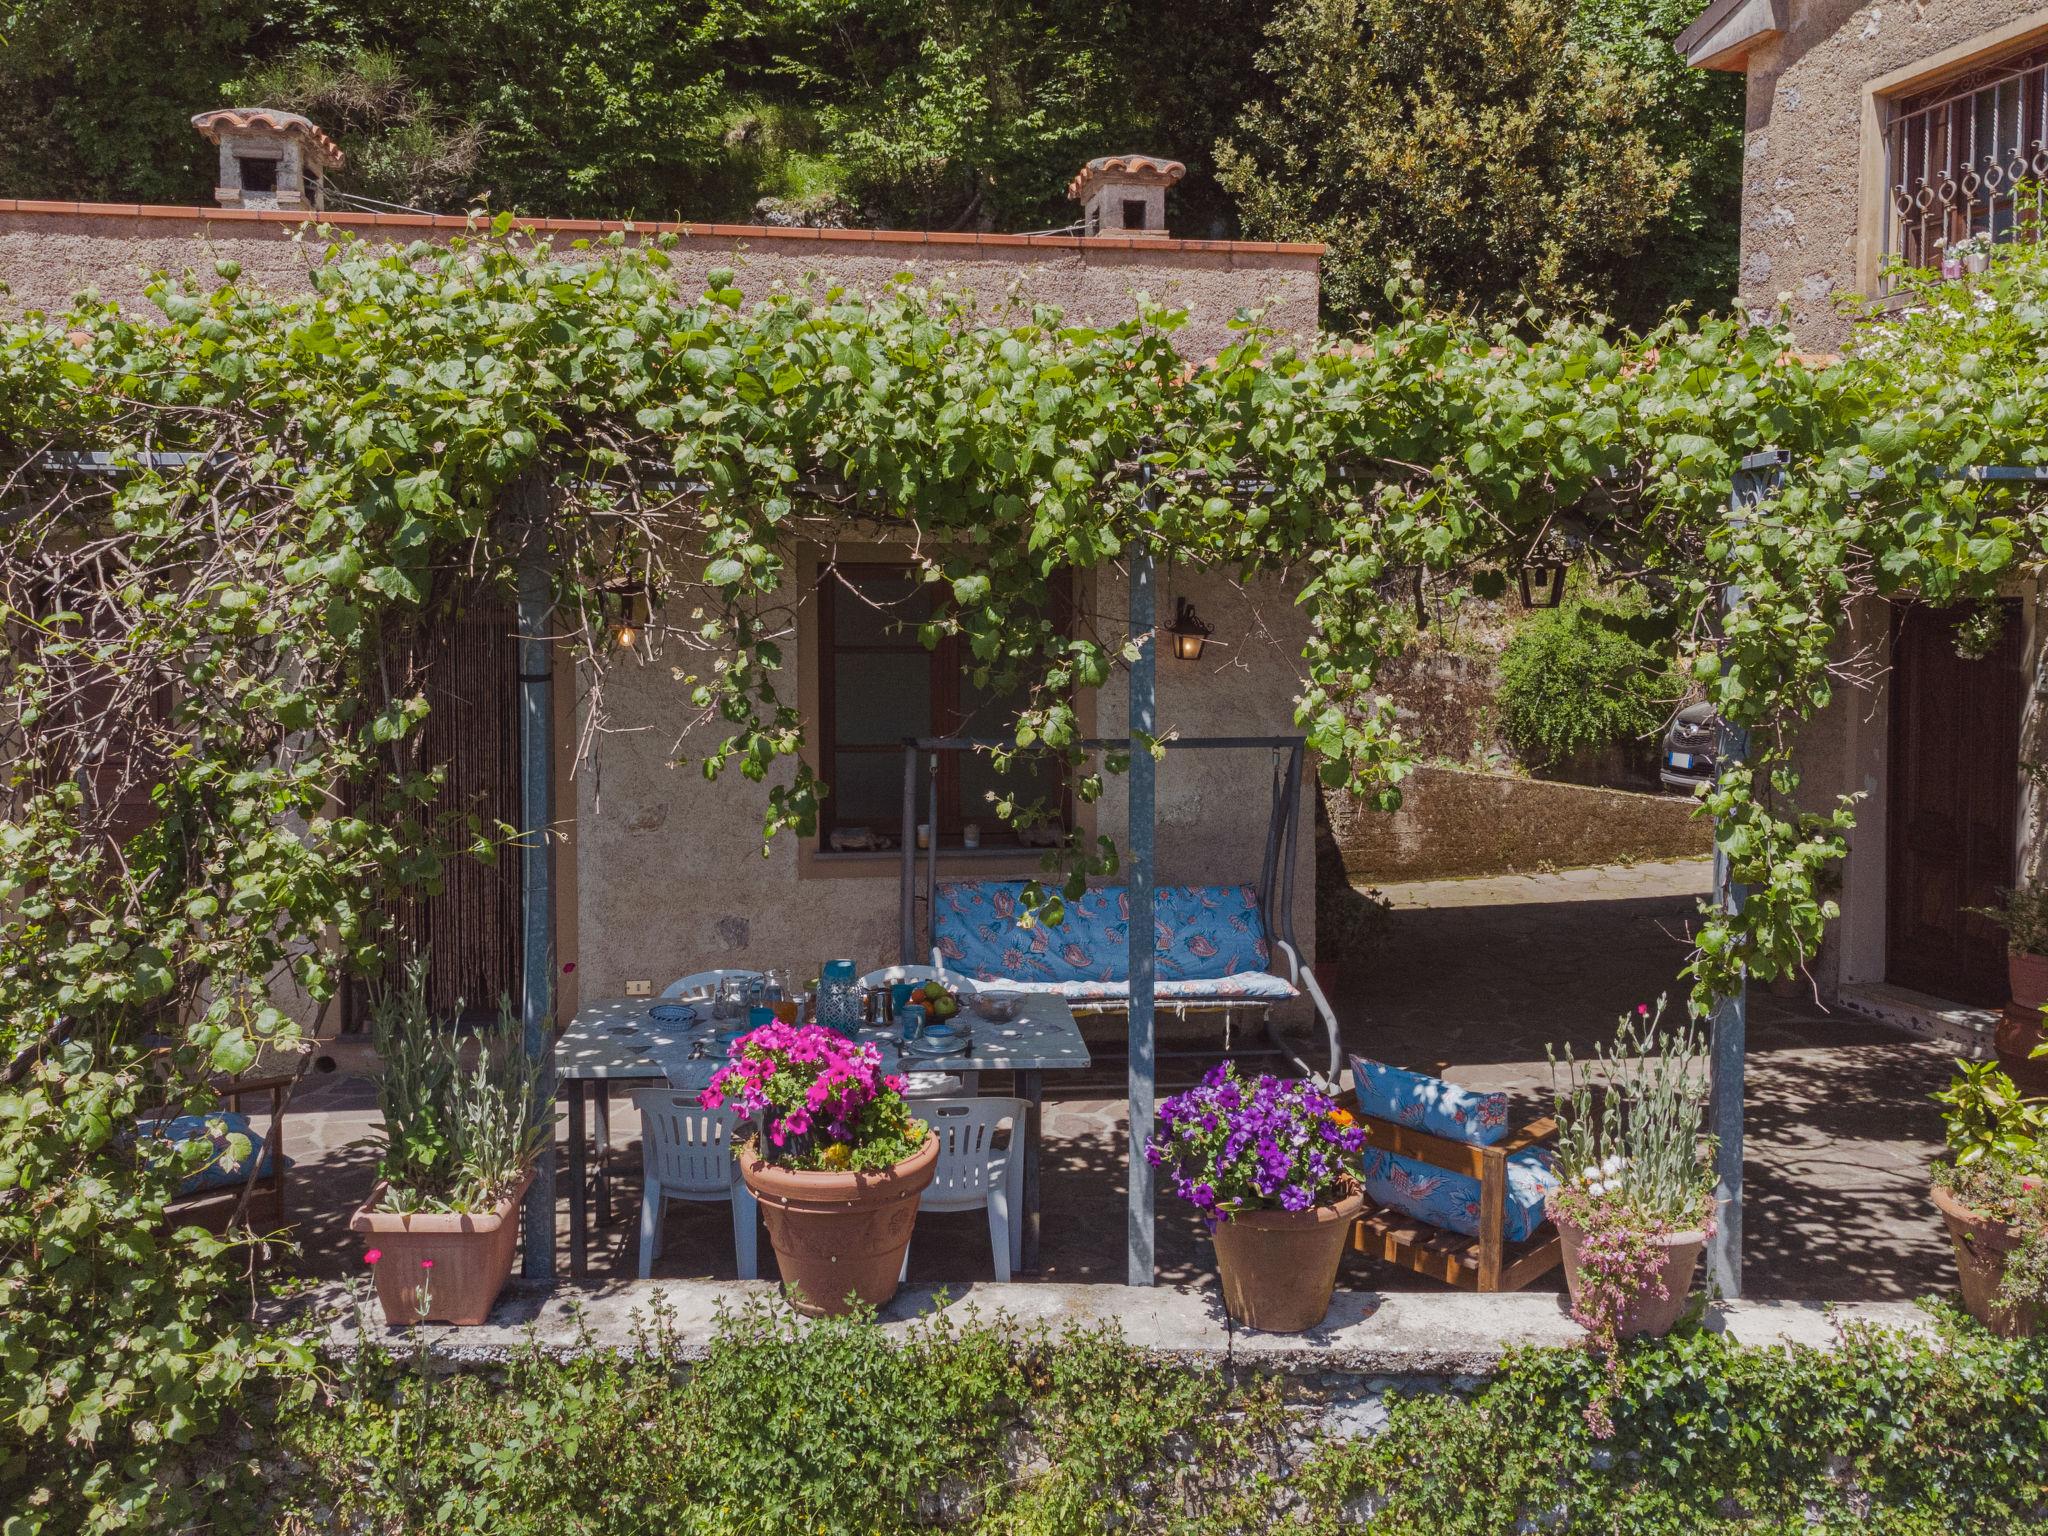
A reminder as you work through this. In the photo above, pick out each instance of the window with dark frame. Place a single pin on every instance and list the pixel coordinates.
(1968, 158)
(877, 684)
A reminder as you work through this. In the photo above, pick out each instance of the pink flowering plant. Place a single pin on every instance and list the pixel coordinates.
(1635, 1163)
(1277, 1144)
(822, 1101)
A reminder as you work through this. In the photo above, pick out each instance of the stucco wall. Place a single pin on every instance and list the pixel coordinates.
(50, 251)
(669, 871)
(1804, 184)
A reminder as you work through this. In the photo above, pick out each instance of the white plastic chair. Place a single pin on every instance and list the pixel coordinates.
(702, 984)
(973, 1172)
(686, 1154)
(928, 1085)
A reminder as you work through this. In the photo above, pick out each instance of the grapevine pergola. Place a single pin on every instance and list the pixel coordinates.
(214, 766)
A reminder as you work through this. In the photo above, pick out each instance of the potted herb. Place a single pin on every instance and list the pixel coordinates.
(1272, 1167)
(1992, 1192)
(1974, 252)
(837, 1163)
(2023, 913)
(462, 1128)
(1635, 1205)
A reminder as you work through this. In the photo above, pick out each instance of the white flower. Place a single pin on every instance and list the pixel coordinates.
(1596, 1188)
(1614, 1164)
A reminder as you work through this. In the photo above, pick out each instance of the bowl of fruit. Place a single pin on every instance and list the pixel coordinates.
(940, 1003)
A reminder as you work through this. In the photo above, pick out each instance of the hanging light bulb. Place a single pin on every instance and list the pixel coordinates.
(626, 628)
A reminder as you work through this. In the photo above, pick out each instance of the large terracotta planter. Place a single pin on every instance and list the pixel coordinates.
(2019, 1031)
(1280, 1267)
(1647, 1315)
(471, 1257)
(1982, 1244)
(839, 1235)
(2027, 975)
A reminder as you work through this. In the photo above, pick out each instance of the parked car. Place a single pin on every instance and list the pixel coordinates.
(1689, 746)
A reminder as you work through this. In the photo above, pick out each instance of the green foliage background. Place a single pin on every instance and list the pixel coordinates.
(1579, 678)
(1554, 145)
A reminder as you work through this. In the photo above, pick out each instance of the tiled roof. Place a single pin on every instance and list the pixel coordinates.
(1147, 167)
(325, 152)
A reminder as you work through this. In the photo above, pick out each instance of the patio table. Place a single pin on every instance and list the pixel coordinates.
(592, 1053)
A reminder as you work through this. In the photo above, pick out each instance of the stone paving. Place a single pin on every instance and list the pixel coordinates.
(1470, 978)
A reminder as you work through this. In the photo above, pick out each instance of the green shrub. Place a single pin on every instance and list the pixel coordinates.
(1577, 679)
(838, 1427)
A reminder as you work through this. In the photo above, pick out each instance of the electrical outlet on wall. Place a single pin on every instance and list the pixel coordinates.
(639, 989)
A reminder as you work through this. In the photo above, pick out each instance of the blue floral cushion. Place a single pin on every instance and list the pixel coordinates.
(1429, 1103)
(1451, 1200)
(1206, 933)
(221, 1171)
(1260, 986)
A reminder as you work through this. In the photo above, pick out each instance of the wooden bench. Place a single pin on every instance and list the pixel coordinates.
(1485, 1263)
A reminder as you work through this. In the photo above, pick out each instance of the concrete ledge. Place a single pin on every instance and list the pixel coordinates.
(1957, 1025)
(1409, 1333)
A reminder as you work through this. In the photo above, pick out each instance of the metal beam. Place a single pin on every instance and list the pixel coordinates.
(529, 507)
(1140, 1226)
(1755, 477)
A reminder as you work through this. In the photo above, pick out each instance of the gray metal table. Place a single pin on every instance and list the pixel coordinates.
(593, 1052)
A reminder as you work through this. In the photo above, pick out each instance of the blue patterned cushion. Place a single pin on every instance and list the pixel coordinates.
(216, 1174)
(1429, 1103)
(1451, 1200)
(1202, 933)
(1253, 986)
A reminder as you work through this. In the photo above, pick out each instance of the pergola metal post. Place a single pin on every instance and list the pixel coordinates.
(536, 856)
(1139, 1227)
(1755, 477)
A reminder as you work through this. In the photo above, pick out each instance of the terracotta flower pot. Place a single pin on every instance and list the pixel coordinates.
(470, 1257)
(1646, 1315)
(1982, 1244)
(2019, 1031)
(1279, 1267)
(837, 1235)
(2027, 975)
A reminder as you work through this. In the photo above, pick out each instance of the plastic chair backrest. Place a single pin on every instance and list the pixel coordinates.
(686, 1148)
(966, 1129)
(701, 984)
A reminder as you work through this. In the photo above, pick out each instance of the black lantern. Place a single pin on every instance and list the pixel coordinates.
(631, 598)
(1189, 632)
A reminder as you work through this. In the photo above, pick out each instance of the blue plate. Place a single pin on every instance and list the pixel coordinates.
(672, 1013)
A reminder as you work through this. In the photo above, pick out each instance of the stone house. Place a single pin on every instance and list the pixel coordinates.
(1879, 134)
(659, 873)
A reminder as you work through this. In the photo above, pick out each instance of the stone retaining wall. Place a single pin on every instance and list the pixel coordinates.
(1456, 822)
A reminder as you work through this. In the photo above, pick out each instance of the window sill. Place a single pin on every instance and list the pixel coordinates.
(874, 864)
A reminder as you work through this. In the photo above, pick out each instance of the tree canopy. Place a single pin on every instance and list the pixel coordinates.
(1558, 145)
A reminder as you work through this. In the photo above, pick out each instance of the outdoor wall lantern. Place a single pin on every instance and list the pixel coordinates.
(632, 613)
(1544, 583)
(1188, 631)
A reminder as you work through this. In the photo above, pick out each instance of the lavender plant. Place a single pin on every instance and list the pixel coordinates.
(457, 1137)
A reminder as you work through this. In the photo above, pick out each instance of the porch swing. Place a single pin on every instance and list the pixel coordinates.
(1227, 949)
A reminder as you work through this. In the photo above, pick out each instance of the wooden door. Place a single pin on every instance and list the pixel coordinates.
(1953, 790)
(467, 923)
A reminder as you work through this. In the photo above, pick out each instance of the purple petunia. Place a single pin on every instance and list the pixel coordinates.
(1231, 1146)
